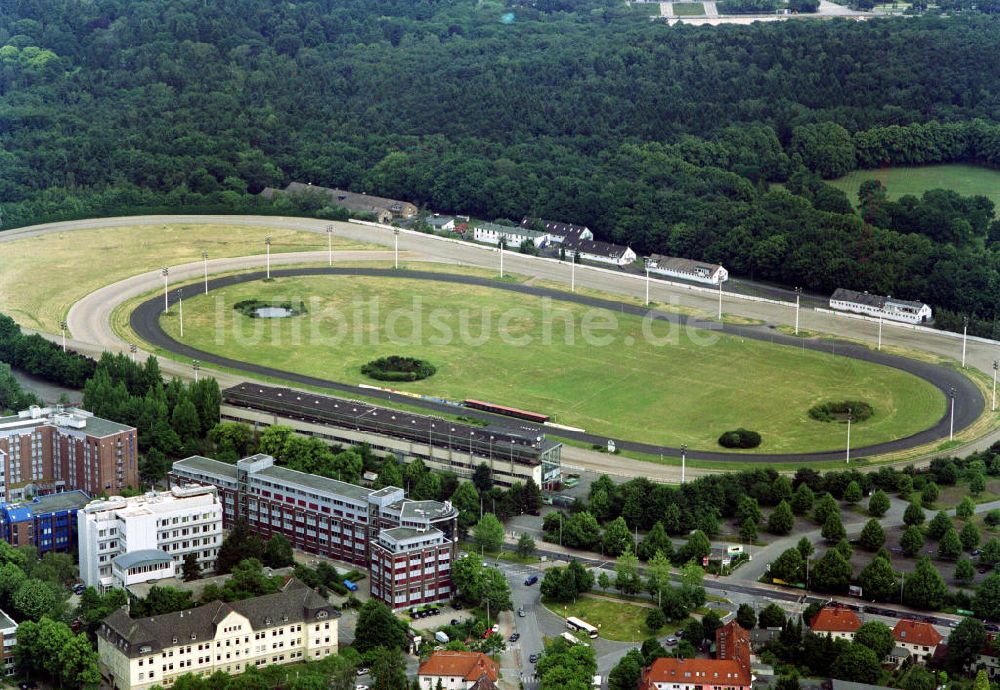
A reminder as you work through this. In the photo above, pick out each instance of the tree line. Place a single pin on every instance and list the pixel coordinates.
(42, 358)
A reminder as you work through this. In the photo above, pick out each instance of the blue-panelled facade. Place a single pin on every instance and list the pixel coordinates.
(46, 522)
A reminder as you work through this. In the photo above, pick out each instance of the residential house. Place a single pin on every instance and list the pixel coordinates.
(440, 223)
(600, 252)
(731, 670)
(453, 670)
(919, 638)
(837, 621)
(512, 235)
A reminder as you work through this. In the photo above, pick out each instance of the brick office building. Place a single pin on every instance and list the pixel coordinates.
(374, 529)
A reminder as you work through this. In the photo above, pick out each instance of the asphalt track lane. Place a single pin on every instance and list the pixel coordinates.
(969, 402)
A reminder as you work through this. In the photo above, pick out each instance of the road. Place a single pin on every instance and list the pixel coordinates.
(969, 403)
(92, 333)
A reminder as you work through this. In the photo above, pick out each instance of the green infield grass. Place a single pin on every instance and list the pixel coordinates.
(77, 262)
(607, 372)
(689, 9)
(964, 179)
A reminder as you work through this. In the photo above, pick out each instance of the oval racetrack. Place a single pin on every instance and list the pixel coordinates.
(969, 402)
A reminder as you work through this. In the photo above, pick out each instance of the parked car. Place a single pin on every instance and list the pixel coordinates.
(495, 628)
(520, 612)
(532, 579)
(363, 671)
(533, 658)
(454, 621)
(671, 641)
(79, 588)
(515, 637)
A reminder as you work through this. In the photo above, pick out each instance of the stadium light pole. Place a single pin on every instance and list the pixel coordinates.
(951, 430)
(684, 449)
(132, 349)
(850, 418)
(62, 325)
(879, 332)
(572, 273)
(798, 294)
(204, 259)
(993, 406)
(329, 244)
(180, 305)
(720, 300)
(267, 245)
(500, 247)
(647, 285)
(965, 337)
(395, 236)
(166, 305)
(196, 365)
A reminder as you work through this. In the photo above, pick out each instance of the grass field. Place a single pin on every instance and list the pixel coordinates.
(43, 276)
(964, 179)
(653, 382)
(647, 9)
(616, 620)
(689, 9)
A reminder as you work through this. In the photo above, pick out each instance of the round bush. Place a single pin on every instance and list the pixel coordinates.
(396, 368)
(838, 411)
(740, 438)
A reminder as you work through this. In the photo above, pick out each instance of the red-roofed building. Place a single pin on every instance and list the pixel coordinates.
(730, 671)
(838, 622)
(457, 671)
(919, 638)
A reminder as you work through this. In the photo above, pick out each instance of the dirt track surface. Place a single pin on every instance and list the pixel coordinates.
(91, 332)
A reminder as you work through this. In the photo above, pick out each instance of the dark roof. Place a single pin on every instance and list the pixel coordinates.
(865, 298)
(552, 227)
(352, 201)
(296, 603)
(676, 263)
(612, 251)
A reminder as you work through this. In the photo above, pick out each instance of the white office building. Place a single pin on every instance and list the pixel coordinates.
(126, 541)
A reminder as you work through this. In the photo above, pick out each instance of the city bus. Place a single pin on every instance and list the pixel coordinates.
(572, 640)
(582, 626)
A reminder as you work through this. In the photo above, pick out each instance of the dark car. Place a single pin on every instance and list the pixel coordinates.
(530, 580)
(982, 569)
(457, 606)
(992, 627)
(533, 658)
(515, 637)
(454, 621)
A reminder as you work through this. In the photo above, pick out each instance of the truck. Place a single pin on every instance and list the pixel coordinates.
(441, 637)
(351, 587)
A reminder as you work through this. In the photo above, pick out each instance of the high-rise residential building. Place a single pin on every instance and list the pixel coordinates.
(377, 529)
(46, 522)
(48, 450)
(124, 541)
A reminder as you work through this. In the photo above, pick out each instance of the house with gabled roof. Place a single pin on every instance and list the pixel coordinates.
(919, 638)
(456, 670)
(836, 621)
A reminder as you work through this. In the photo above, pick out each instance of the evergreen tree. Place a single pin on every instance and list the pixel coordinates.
(878, 504)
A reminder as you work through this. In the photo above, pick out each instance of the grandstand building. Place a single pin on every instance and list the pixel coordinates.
(379, 530)
(514, 453)
(879, 306)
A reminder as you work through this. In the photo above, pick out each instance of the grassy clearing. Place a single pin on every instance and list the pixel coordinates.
(689, 9)
(964, 179)
(43, 276)
(646, 9)
(536, 354)
(616, 620)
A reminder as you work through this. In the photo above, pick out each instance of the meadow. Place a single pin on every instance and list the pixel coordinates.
(606, 372)
(964, 179)
(44, 276)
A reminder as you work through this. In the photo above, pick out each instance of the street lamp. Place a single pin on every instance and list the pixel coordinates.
(267, 245)
(993, 406)
(196, 365)
(166, 305)
(951, 431)
(965, 337)
(180, 304)
(395, 237)
(798, 294)
(684, 449)
(62, 325)
(850, 418)
(132, 349)
(329, 243)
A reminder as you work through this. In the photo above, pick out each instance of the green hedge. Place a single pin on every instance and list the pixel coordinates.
(396, 368)
(829, 411)
(740, 438)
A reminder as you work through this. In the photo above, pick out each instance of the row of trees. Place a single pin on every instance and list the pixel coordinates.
(42, 358)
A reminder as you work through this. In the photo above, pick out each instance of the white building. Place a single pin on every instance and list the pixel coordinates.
(600, 252)
(878, 306)
(454, 670)
(440, 222)
(125, 541)
(514, 236)
(686, 269)
(558, 232)
(8, 629)
(291, 626)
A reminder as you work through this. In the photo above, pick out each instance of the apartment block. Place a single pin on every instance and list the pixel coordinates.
(47, 522)
(125, 541)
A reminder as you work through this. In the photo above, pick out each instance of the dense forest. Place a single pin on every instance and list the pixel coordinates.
(668, 138)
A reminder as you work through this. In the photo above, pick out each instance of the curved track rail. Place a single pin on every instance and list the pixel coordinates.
(969, 402)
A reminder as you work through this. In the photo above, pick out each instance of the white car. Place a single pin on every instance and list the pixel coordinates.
(363, 671)
(496, 627)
